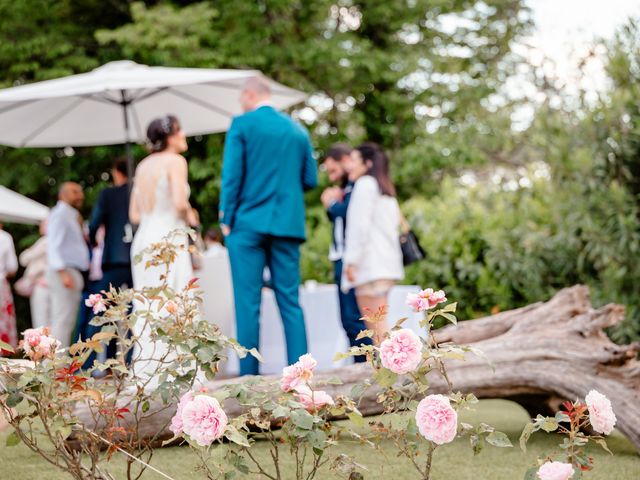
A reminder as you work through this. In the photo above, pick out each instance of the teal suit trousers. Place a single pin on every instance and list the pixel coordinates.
(249, 253)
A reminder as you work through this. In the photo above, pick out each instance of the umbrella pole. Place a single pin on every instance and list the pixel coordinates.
(128, 229)
(125, 110)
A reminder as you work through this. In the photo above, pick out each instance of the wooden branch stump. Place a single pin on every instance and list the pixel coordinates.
(537, 355)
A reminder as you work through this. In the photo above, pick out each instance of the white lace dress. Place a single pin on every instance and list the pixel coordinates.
(155, 224)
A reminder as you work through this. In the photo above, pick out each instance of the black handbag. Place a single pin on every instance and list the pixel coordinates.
(412, 251)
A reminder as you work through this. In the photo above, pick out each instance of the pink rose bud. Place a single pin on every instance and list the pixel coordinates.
(425, 299)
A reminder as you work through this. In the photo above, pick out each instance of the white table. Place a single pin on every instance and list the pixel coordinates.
(324, 329)
(321, 310)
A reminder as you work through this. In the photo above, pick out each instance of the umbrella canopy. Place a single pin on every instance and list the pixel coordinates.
(114, 103)
(16, 208)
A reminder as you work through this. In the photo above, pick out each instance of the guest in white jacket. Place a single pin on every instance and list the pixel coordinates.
(372, 255)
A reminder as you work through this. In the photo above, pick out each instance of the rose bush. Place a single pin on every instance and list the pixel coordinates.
(293, 415)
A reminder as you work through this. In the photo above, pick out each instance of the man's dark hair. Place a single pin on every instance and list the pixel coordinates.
(338, 150)
(120, 164)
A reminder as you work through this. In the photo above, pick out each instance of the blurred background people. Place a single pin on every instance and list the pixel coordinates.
(68, 260)
(8, 268)
(372, 256)
(335, 200)
(33, 283)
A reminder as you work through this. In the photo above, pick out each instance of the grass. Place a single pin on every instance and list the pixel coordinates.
(452, 462)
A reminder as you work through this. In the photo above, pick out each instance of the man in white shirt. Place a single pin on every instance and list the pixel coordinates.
(68, 259)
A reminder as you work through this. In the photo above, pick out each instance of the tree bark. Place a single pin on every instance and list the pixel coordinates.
(537, 355)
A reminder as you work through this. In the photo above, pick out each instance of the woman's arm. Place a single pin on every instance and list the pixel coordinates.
(134, 207)
(178, 180)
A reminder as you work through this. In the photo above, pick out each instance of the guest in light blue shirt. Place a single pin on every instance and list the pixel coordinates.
(68, 260)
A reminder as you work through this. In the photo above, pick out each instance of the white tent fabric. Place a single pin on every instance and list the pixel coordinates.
(89, 108)
(16, 208)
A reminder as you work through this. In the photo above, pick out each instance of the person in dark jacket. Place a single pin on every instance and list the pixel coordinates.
(336, 201)
(112, 212)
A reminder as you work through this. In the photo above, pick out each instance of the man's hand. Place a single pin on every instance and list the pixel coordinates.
(67, 279)
(350, 272)
(330, 196)
(226, 230)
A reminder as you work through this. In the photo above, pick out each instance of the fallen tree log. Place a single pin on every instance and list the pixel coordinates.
(539, 355)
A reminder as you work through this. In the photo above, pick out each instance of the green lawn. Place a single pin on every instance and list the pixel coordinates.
(452, 462)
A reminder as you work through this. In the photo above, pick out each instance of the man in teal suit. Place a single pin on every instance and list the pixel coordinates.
(268, 164)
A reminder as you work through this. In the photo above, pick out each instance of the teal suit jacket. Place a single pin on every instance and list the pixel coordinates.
(268, 165)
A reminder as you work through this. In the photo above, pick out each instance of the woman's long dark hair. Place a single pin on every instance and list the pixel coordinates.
(159, 130)
(379, 169)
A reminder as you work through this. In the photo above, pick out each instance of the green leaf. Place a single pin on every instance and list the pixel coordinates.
(145, 406)
(562, 417)
(13, 399)
(385, 377)
(357, 390)
(549, 425)
(280, 412)
(450, 317)
(334, 381)
(603, 444)
(256, 354)
(451, 307)
(365, 334)
(400, 322)
(7, 347)
(529, 428)
(13, 439)
(25, 408)
(234, 435)
(316, 439)
(302, 419)
(531, 474)
(356, 418)
(499, 439)
(477, 442)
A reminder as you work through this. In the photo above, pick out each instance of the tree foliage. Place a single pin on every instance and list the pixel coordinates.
(426, 79)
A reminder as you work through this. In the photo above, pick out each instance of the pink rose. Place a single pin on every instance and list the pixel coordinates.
(601, 414)
(176, 421)
(436, 419)
(401, 352)
(97, 302)
(425, 299)
(203, 420)
(313, 398)
(555, 471)
(299, 373)
(37, 343)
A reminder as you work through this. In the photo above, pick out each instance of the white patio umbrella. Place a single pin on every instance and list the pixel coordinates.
(114, 103)
(16, 208)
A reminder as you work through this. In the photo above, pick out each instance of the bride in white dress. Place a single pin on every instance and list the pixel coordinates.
(159, 205)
